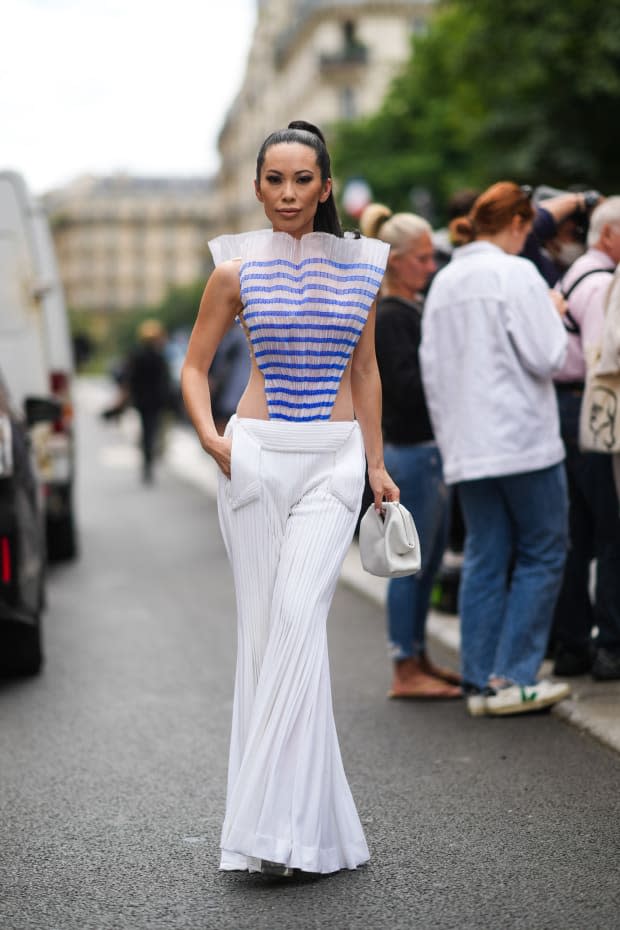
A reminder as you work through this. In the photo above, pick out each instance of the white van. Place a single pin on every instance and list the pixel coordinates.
(36, 354)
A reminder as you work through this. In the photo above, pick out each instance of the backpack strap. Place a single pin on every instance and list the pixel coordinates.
(570, 323)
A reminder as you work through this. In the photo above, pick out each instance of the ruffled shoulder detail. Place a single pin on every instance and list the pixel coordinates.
(237, 245)
(265, 245)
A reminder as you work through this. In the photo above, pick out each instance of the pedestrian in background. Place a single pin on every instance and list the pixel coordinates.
(492, 337)
(411, 453)
(146, 379)
(594, 523)
(228, 375)
(290, 486)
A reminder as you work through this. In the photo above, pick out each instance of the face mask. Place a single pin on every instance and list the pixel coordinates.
(569, 252)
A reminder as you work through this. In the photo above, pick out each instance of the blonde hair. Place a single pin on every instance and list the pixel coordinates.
(150, 330)
(398, 229)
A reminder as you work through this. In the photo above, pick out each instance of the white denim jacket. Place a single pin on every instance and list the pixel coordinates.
(491, 341)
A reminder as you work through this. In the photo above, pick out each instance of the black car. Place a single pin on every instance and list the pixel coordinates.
(22, 537)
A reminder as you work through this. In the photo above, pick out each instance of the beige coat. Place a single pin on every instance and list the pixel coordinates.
(609, 359)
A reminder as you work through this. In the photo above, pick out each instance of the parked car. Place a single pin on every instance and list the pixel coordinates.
(22, 535)
(35, 349)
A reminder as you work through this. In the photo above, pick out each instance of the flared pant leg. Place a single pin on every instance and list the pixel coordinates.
(287, 535)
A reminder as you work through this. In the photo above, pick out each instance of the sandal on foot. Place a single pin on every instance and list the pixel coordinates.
(439, 671)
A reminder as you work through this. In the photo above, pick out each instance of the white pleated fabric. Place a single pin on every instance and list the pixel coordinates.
(287, 517)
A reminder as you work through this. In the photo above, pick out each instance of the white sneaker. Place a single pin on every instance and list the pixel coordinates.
(522, 699)
(476, 701)
(476, 705)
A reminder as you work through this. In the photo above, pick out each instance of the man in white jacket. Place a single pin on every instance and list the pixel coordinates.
(492, 337)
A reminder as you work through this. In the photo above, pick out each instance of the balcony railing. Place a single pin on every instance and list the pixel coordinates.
(347, 57)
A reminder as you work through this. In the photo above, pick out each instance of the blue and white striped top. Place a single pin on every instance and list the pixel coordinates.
(305, 303)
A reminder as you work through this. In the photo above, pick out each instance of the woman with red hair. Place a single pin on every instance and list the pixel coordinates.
(492, 337)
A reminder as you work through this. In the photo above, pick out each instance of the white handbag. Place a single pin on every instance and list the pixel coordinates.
(388, 542)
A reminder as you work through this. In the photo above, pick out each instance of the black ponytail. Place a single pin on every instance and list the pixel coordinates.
(326, 218)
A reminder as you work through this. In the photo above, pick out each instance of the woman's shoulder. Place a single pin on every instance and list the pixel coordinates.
(234, 247)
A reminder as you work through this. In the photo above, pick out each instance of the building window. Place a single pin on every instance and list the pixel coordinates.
(348, 109)
(419, 26)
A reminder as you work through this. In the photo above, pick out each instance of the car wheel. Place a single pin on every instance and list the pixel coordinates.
(62, 541)
(22, 652)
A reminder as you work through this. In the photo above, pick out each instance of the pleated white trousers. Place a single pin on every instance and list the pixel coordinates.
(287, 517)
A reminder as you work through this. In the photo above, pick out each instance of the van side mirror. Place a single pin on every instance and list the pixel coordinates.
(41, 410)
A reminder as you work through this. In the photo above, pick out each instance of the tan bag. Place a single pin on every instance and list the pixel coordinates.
(599, 422)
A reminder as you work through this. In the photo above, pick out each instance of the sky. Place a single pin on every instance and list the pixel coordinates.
(106, 86)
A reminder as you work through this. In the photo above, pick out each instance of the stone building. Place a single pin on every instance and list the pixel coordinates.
(123, 241)
(318, 60)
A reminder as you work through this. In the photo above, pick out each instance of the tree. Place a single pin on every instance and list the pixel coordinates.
(522, 90)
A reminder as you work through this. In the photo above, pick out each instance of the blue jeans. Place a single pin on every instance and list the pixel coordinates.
(417, 470)
(515, 548)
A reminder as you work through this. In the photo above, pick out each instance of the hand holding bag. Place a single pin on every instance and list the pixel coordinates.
(388, 542)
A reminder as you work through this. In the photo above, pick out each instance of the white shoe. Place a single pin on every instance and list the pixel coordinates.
(476, 705)
(476, 701)
(522, 699)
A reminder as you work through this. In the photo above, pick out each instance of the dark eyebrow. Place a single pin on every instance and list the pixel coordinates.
(300, 171)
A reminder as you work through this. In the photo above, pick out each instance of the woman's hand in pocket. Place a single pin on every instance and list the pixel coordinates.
(220, 450)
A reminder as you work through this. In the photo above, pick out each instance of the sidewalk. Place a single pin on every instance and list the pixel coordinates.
(594, 706)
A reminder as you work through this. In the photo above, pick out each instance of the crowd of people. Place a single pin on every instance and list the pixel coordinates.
(482, 343)
(446, 366)
(483, 334)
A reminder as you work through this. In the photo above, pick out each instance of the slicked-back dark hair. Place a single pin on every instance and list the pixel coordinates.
(326, 218)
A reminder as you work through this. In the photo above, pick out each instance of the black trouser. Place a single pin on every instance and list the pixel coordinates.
(594, 533)
(150, 418)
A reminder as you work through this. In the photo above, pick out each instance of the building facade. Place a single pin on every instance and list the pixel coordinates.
(318, 60)
(123, 241)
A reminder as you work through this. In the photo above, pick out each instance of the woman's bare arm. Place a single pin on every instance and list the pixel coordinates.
(366, 393)
(219, 305)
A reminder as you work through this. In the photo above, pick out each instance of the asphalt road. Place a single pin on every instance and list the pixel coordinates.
(112, 762)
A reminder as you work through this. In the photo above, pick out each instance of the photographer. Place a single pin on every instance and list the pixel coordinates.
(559, 229)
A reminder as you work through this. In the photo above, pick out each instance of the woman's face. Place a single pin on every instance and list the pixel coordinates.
(290, 187)
(411, 268)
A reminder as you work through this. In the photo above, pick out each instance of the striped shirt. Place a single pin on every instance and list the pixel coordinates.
(305, 303)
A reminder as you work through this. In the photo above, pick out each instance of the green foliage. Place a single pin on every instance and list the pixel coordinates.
(112, 335)
(522, 90)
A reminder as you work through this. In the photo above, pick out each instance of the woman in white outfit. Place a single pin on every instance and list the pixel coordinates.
(291, 480)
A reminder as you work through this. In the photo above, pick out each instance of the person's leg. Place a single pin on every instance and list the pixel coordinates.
(615, 463)
(417, 471)
(252, 536)
(149, 419)
(289, 800)
(573, 617)
(538, 507)
(607, 552)
(483, 589)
